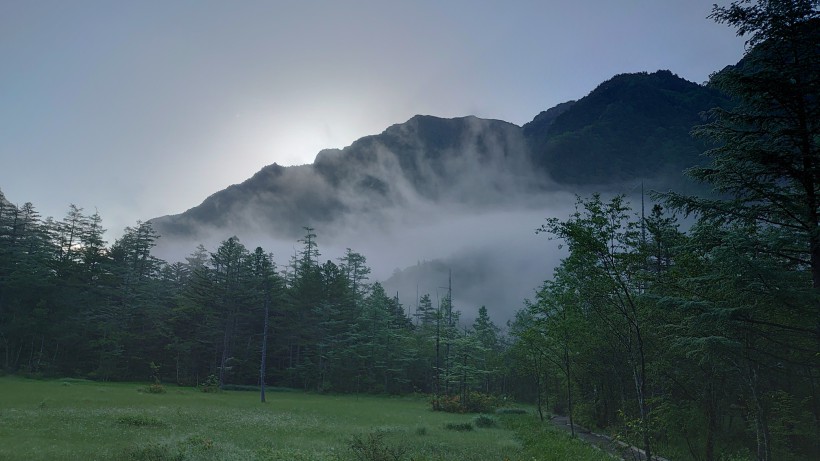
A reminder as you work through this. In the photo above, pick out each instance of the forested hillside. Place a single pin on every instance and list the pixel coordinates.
(631, 126)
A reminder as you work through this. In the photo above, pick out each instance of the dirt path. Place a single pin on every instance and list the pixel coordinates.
(606, 443)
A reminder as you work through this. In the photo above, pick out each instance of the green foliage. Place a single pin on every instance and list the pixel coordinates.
(139, 420)
(373, 447)
(511, 411)
(545, 442)
(460, 427)
(476, 402)
(484, 421)
(155, 388)
(210, 385)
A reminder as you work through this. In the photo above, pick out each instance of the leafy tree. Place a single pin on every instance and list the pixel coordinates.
(528, 357)
(558, 317)
(605, 252)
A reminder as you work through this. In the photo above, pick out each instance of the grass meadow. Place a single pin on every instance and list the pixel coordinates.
(83, 420)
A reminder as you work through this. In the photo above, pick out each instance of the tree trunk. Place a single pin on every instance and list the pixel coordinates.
(711, 425)
(263, 363)
(538, 391)
(763, 438)
(640, 388)
(569, 393)
(224, 360)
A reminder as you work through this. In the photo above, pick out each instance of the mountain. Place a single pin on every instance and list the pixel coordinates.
(631, 127)
(464, 192)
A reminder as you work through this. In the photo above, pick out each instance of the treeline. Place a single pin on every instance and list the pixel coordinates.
(70, 305)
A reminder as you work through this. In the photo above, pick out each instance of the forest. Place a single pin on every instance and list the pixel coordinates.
(694, 338)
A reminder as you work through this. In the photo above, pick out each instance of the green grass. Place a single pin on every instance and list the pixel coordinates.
(84, 420)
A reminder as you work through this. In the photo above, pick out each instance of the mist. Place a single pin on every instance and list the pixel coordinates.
(424, 201)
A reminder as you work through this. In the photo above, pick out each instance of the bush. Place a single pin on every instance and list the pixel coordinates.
(476, 402)
(374, 448)
(461, 427)
(210, 385)
(140, 421)
(484, 421)
(155, 388)
(511, 411)
(448, 403)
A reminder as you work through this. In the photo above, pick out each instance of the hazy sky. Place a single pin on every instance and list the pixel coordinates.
(144, 108)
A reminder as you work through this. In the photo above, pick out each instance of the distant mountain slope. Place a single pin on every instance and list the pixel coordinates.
(631, 126)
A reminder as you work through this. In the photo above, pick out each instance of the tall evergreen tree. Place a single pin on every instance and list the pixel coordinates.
(766, 163)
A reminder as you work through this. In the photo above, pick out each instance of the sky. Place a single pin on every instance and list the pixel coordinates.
(142, 109)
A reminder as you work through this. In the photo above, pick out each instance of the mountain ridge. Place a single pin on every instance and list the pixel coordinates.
(630, 127)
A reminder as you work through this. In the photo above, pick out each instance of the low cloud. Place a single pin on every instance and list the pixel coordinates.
(420, 200)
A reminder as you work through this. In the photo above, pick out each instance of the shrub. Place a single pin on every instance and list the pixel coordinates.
(476, 402)
(484, 421)
(461, 427)
(511, 411)
(140, 421)
(155, 388)
(374, 448)
(210, 385)
(448, 403)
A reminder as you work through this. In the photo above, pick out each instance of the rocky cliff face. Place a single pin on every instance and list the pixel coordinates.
(466, 161)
